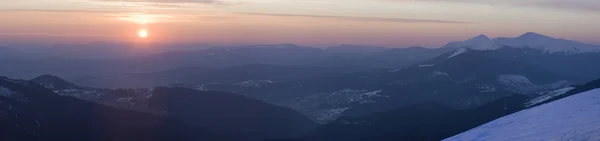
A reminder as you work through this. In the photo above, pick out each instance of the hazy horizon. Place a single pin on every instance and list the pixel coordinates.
(391, 23)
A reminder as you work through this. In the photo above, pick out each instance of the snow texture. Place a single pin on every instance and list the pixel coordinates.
(85, 94)
(515, 80)
(531, 40)
(548, 95)
(435, 74)
(458, 52)
(547, 44)
(486, 88)
(362, 96)
(439, 74)
(337, 102)
(522, 85)
(126, 100)
(395, 70)
(6, 92)
(254, 83)
(573, 118)
(331, 114)
(150, 93)
(201, 86)
(480, 42)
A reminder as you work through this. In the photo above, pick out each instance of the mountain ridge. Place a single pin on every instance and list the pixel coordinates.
(31, 112)
(542, 42)
(222, 112)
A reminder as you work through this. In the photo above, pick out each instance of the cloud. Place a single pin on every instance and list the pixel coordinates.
(59, 11)
(213, 2)
(578, 5)
(586, 5)
(374, 19)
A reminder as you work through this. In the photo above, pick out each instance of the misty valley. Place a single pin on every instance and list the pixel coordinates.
(530, 87)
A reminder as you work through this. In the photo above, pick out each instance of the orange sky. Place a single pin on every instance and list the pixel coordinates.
(398, 23)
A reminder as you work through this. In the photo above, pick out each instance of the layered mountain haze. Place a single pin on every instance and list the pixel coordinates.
(219, 112)
(462, 75)
(292, 92)
(28, 111)
(461, 81)
(299, 70)
(464, 78)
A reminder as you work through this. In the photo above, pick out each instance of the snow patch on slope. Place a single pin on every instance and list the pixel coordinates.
(331, 114)
(573, 118)
(362, 96)
(486, 88)
(515, 80)
(85, 94)
(457, 52)
(435, 74)
(150, 93)
(254, 83)
(395, 70)
(201, 87)
(328, 106)
(6, 92)
(126, 100)
(349, 95)
(548, 95)
(522, 85)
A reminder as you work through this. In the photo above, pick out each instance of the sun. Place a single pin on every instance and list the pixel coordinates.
(143, 33)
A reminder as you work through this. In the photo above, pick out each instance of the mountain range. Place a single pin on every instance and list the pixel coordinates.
(30, 112)
(461, 75)
(462, 81)
(289, 92)
(218, 112)
(557, 55)
(533, 40)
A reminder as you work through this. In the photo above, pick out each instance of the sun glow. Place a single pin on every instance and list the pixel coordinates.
(143, 33)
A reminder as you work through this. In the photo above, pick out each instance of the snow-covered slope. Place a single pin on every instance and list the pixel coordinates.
(573, 118)
(547, 44)
(531, 40)
(480, 42)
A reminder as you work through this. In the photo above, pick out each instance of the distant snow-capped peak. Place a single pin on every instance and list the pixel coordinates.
(480, 42)
(532, 40)
(547, 44)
